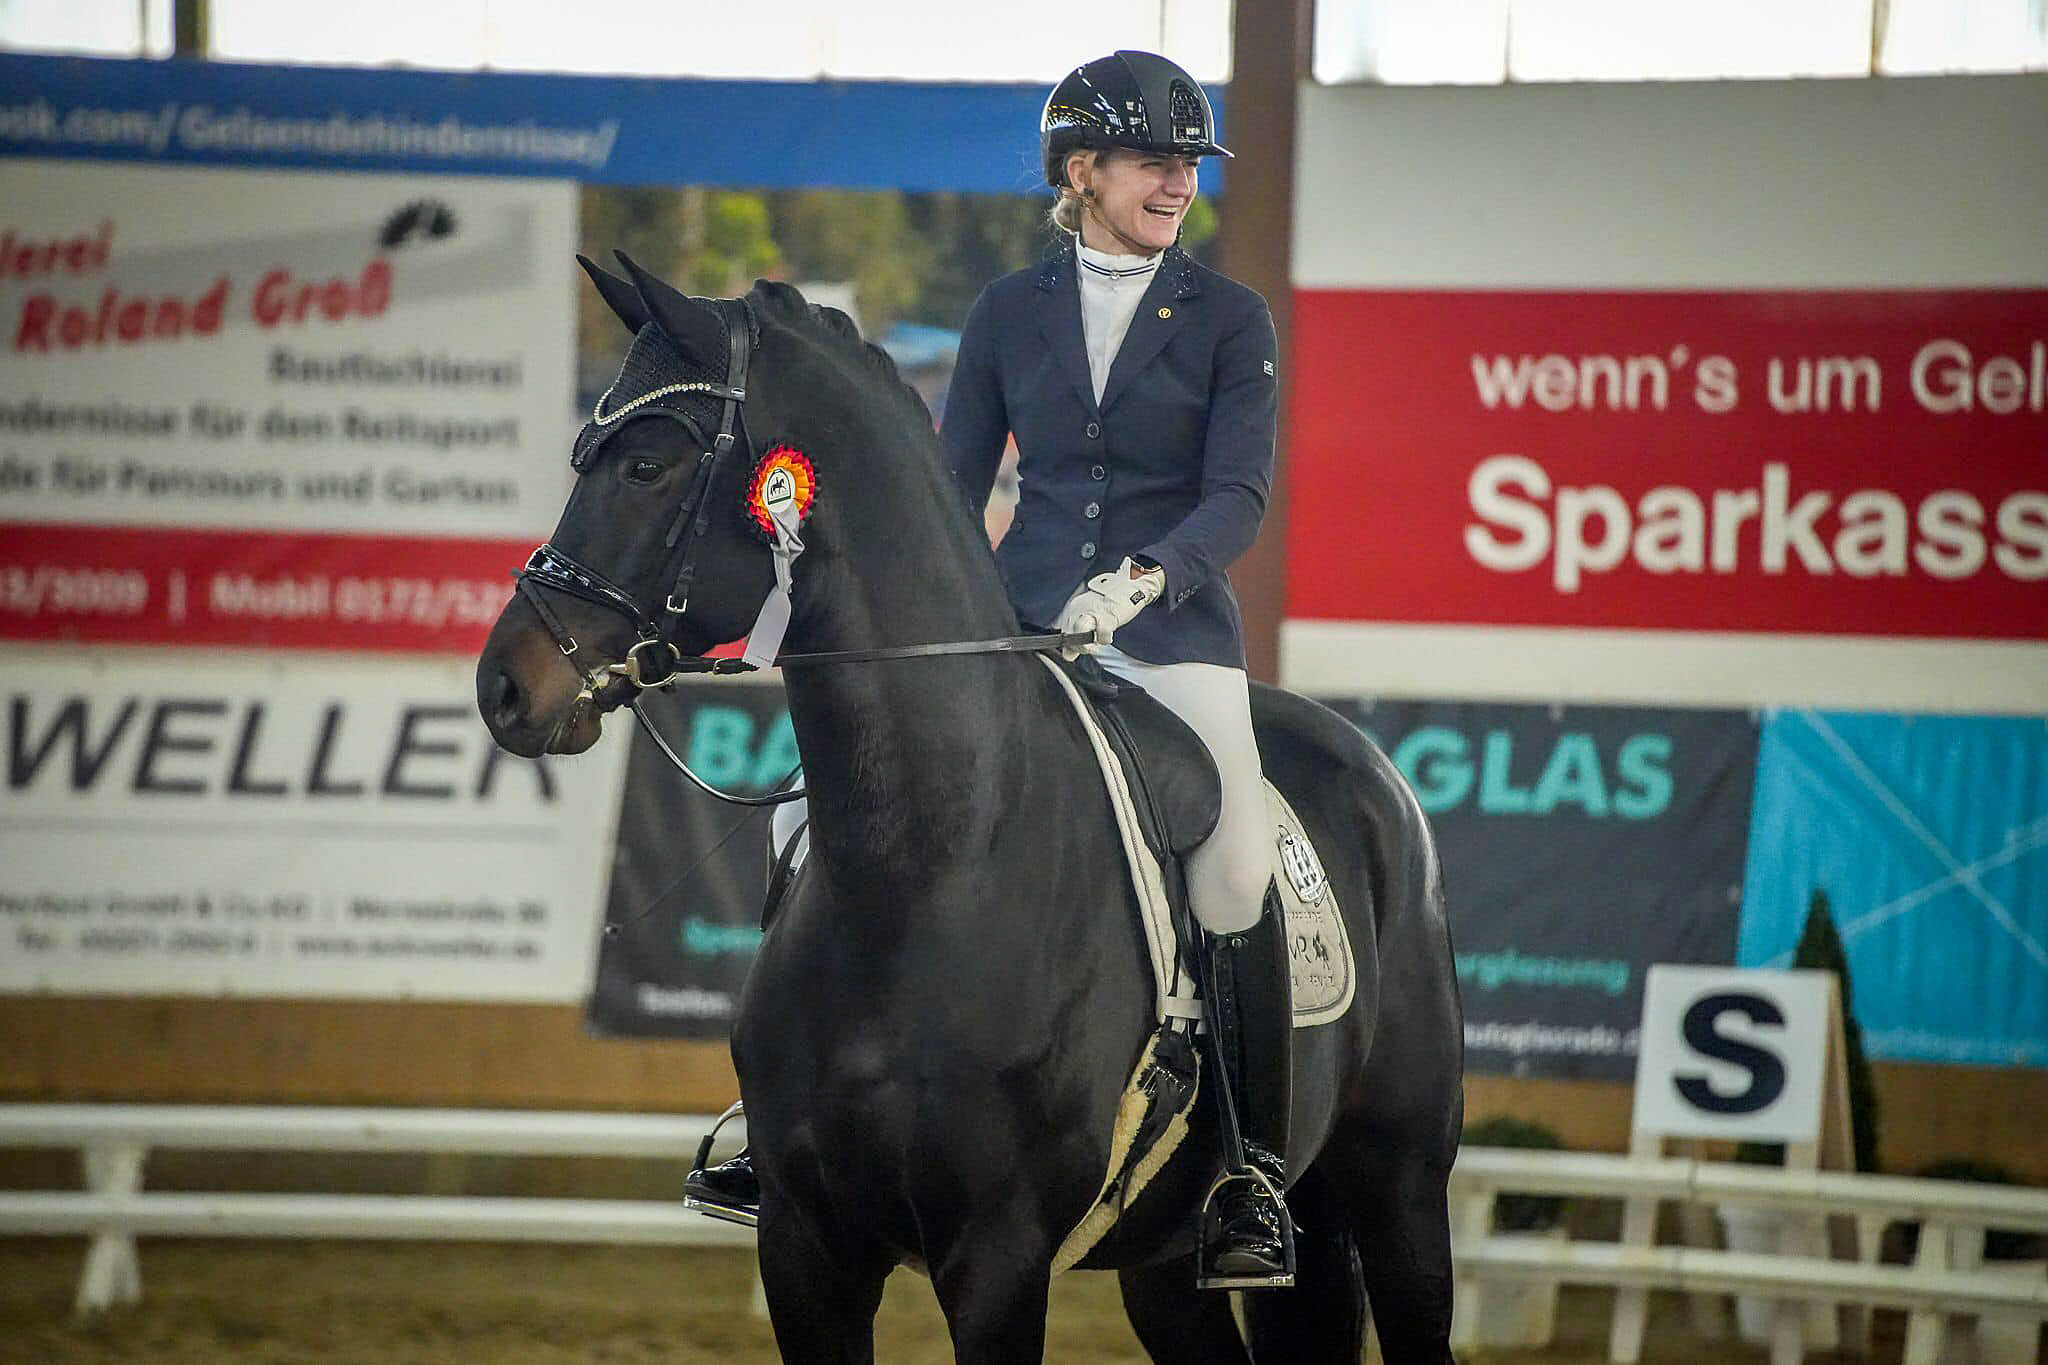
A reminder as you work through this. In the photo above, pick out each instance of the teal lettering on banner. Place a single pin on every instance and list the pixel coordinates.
(1437, 761)
(1645, 764)
(1572, 774)
(721, 744)
(778, 754)
(1434, 761)
(1498, 795)
(706, 938)
(1491, 971)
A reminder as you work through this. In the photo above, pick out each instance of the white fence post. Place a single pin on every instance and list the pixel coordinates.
(112, 1273)
(1709, 1311)
(1475, 1220)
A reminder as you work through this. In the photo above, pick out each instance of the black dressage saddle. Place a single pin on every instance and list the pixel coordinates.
(1179, 794)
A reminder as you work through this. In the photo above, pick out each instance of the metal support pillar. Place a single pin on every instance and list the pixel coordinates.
(1270, 42)
(191, 23)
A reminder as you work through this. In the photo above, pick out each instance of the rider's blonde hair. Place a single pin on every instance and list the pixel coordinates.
(1068, 209)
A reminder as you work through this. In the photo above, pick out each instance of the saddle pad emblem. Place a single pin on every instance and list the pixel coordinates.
(1303, 868)
(1318, 948)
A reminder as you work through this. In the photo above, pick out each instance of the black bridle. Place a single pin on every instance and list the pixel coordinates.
(654, 660)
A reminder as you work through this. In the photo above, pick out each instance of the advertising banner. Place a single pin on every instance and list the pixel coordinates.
(288, 826)
(264, 408)
(1929, 836)
(1832, 465)
(1821, 462)
(1579, 846)
(617, 130)
(684, 912)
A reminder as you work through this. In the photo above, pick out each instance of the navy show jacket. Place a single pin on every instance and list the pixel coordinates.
(1174, 464)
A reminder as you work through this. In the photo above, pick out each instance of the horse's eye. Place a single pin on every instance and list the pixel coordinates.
(644, 470)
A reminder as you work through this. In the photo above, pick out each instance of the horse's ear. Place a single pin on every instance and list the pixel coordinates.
(624, 300)
(692, 325)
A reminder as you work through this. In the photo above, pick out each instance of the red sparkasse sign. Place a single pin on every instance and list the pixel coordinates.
(1824, 462)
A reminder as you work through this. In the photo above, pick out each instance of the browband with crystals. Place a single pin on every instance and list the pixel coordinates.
(603, 418)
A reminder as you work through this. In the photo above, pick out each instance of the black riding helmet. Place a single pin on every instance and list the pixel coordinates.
(1130, 99)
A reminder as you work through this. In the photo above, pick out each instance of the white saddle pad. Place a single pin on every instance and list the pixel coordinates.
(1319, 949)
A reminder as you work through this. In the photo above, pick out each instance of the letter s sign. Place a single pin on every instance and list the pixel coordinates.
(1730, 1053)
(1703, 1035)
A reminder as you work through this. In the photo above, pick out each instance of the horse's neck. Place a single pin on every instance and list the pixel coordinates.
(901, 757)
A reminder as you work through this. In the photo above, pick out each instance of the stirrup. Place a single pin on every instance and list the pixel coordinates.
(1205, 1278)
(710, 1207)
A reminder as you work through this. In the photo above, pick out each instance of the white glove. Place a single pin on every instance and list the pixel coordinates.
(1107, 601)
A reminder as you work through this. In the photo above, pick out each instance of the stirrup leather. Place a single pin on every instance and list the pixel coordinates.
(700, 1200)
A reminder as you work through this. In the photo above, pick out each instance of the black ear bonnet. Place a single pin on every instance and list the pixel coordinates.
(657, 379)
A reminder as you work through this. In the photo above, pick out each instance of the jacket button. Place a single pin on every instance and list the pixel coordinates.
(1088, 550)
(1094, 430)
(1092, 510)
(1097, 472)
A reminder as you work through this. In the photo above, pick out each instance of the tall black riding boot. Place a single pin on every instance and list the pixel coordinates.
(1247, 1236)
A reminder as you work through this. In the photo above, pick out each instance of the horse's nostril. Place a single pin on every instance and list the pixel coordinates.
(505, 707)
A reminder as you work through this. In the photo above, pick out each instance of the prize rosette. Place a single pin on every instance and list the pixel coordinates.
(783, 480)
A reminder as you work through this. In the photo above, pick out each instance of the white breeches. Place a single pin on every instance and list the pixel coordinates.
(1227, 875)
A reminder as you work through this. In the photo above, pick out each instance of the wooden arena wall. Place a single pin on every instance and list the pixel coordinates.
(532, 1056)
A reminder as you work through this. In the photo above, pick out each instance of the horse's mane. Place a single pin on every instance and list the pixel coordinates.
(837, 331)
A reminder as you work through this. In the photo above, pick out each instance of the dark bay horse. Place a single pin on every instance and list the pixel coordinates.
(942, 1016)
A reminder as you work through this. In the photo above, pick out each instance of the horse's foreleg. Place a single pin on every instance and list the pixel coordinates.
(820, 1302)
(993, 1289)
(1176, 1323)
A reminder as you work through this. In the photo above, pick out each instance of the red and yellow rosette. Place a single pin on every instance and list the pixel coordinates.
(783, 480)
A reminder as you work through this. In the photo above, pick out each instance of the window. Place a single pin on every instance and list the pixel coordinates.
(97, 28)
(1448, 42)
(775, 39)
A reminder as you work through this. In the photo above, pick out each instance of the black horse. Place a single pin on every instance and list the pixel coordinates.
(941, 1018)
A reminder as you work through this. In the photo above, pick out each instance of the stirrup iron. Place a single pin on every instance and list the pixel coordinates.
(1248, 1175)
(712, 1208)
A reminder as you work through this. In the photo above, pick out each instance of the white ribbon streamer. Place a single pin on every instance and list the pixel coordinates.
(764, 641)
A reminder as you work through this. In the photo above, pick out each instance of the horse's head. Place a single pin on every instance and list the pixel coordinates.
(657, 557)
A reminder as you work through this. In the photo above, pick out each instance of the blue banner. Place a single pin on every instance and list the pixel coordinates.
(1930, 836)
(597, 129)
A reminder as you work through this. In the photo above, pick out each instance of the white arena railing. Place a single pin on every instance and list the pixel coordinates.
(1943, 1292)
(116, 1139)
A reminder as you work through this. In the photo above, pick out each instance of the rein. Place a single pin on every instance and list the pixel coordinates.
(1008, 644)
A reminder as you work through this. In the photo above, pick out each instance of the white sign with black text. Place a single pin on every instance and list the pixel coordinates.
(1733, 1053)
(291, 825)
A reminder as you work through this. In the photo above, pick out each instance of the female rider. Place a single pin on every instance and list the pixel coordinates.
(1140, 388)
